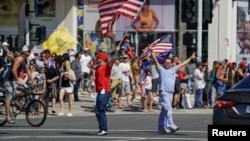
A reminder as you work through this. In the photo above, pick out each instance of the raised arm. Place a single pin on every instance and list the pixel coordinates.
(157, 64)
(186, 61)
(112, 60)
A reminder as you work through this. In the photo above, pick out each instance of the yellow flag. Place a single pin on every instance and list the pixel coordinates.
(59, 41)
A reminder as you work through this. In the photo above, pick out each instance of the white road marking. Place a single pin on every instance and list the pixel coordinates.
(113, 137)
(102, 137)
(95, 130)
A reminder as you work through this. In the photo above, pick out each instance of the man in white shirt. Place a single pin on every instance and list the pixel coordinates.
(85, 59)
(116, 78)
(199, 85)
(126, 75)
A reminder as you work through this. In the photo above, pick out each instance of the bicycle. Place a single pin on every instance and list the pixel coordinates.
(87, 84)
(35, 109)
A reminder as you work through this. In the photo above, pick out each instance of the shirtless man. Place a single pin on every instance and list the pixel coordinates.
(221, 79)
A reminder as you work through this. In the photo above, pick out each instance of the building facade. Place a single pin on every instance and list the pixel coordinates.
(219, 38)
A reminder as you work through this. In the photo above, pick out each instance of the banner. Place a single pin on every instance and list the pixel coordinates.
(243, 31)
(59, 41)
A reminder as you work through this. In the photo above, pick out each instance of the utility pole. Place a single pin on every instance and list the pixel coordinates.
(182, 49)
(199, 30)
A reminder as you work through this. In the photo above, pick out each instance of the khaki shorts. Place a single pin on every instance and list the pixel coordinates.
(126, 88)
(51, 91)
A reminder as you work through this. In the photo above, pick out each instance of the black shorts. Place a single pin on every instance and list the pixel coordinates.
(177, 87)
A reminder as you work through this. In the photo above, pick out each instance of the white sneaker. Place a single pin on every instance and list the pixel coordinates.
(69, 115)
(101, 133)
(61, 114)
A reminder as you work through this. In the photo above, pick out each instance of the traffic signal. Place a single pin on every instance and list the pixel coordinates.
(188, 12)
(207, 10)
(41, 33)
(187, 39)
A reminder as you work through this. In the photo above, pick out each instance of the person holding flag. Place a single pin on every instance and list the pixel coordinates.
(166, 90)
(102, 83)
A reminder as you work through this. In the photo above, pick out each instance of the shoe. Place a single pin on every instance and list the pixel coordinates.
(172, 130)
(164, 131)
(69, 115)
(61, 114)
(111, 110)
(53, 111)
(101, 133)
(10, 121)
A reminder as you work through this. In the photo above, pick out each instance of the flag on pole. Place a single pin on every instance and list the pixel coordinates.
(59, 41)
(110, 10)
(161, 57)
(160, 45)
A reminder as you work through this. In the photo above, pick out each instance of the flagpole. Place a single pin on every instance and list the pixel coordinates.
(123, 38)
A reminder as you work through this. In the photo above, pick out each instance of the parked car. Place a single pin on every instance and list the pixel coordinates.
(233, 108)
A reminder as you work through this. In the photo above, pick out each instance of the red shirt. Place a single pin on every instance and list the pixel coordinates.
(102, 77)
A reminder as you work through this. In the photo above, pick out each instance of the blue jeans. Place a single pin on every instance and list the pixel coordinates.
(76, 86)
(110, 104)
(198, 98)
(101, 101)
(85, 76)
(165, 118)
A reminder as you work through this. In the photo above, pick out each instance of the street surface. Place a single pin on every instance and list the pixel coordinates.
(129, 124)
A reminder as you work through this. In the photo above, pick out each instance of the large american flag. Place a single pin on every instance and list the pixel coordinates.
(160, 45)
(110, 10)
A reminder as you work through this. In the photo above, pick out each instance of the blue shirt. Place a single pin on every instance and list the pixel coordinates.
(167, 79)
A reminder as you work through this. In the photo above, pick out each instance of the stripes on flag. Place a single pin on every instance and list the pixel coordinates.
(160, 45)
(110, 10)
(130, 8)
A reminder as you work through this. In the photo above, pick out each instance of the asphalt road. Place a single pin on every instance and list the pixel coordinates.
(122, 127)
(129, 124)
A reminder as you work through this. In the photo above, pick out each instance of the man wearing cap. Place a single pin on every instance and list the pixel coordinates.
(5, 46)
(102, 83)
(13, 79)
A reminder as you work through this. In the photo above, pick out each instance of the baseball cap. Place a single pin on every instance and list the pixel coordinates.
(86, 49)
(125, 56)
(25, 48)
(103, 56)
(5, 44)
(243, 64)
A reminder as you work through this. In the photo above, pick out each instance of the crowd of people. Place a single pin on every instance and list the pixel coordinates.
(116, 76)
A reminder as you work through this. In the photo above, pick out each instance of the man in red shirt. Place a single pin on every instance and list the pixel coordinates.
(102, 83)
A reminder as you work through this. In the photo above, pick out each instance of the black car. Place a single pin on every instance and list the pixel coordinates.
(233, 108)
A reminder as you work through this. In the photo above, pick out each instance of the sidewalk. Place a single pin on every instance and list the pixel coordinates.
(85, 107)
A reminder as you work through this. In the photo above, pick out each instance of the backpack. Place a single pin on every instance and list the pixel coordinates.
(213, 77)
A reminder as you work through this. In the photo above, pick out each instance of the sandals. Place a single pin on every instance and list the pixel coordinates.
(10, 121)
(120, 108)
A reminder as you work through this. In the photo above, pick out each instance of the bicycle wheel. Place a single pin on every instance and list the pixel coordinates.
(81, 86)
(2, 113)
(36, 113)
(89, 84)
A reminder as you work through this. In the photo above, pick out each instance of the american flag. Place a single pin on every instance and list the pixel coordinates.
(110, 10)
(160, 45)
